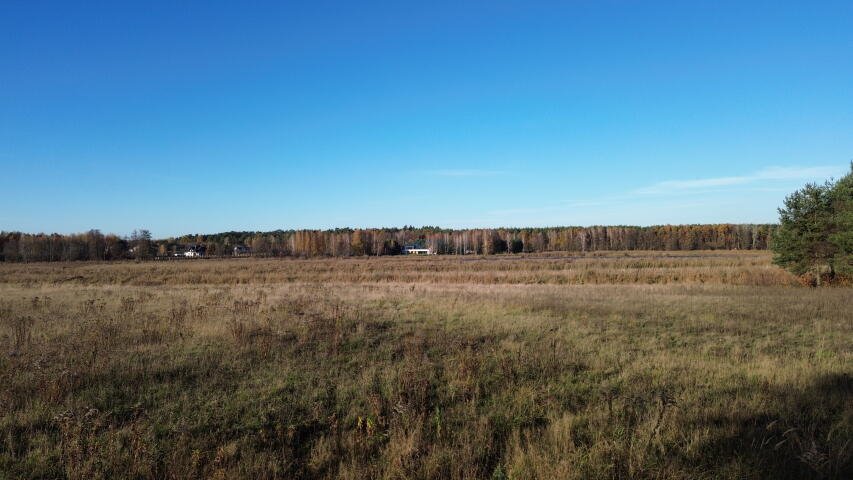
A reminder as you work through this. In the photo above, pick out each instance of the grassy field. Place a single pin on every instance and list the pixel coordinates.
(671, 365)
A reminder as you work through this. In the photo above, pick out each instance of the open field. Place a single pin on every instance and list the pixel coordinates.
(673, 365)
(718, 267)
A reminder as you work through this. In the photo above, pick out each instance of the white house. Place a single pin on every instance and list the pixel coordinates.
(195, 251)
(413, 250)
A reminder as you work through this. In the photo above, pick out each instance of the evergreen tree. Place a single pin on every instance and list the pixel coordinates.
(815, 234)
(841, 198)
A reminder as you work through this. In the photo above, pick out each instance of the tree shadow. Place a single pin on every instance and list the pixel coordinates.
(806, 433)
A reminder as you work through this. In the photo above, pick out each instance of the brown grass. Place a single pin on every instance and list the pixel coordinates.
(640, 365)
(701, 267)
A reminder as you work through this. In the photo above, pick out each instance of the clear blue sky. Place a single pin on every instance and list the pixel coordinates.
(186, 117)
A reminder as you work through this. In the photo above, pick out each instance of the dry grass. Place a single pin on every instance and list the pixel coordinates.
(640, 365)
(702, 267)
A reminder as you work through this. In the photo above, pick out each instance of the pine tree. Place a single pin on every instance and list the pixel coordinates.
(815, 234)
(841, 198)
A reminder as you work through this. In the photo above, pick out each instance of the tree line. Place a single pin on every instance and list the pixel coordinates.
(94, 245)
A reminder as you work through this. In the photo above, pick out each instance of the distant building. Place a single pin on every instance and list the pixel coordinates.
(195, 251)
(414, 250)
(241, 250)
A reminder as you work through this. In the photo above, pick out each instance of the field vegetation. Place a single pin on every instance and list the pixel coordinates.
(612, 365)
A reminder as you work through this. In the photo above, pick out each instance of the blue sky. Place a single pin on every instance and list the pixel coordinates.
(185, 117)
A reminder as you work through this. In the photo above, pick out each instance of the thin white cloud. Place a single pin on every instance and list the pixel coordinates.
(769, 174)
(648, 205)
(464, 173)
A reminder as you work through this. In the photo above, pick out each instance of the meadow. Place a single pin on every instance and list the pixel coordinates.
(607, 365)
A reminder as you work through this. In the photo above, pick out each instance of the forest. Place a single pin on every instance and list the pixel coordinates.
(94, 245)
